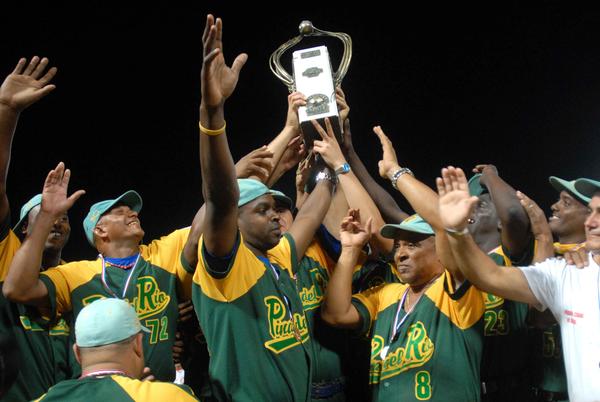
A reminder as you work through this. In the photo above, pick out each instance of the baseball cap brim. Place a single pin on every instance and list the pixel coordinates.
(412, 227)
(283, 199)
(25, 209)
(475, 187)
(587, 187)
(569, 186)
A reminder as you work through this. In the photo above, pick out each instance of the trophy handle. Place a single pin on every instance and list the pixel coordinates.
(306, 28)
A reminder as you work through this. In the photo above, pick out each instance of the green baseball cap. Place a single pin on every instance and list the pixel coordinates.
(251, 189)
(570, 187)
(475, 186)
(130, 198)
(411, 225)
(106, 321)
(587, 187)
(28, 206)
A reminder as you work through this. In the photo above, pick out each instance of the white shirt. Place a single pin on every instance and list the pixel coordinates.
(573, 296)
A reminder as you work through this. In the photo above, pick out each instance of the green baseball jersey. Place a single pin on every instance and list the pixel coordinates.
(505, 349)
(371, 273)
(116, 388)
(330, 345)
(254, 323)
(151, 287)
(436, 352)
(44, 345)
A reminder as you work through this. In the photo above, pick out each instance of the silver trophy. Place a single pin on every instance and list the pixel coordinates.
(314, 77)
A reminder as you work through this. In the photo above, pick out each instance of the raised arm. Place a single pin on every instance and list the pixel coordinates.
(356, 195)
(540, 229)
(516, 236)
(290, 129)
(27, 84)
(22, 284)
(388, 208)
(456, 206)
(337, 308)
(219, 184)
(421, 197)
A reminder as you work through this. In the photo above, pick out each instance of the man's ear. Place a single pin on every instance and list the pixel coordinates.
(99, 232)
(24, 227)
(138, 347)
(77, 353)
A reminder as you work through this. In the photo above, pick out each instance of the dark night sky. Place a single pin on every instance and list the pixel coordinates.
(515, 87)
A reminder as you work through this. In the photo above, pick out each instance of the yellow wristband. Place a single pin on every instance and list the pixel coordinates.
(208, 131)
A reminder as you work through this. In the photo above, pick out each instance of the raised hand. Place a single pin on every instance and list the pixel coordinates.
(54, 195)
(352, 233)
(389, 161)
(486, 170)
(343, 107)
(328, 146)
(293, 154)
(218, 80)
(27, 84)
(455, 203)
(257, 163)
(539, 223)
(295, 100)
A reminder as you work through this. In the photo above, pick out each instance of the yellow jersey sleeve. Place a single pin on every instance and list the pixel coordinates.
(166, 253)
(8, 248)
(63, 279)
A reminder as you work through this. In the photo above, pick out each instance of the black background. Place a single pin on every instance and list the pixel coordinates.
(513, 86)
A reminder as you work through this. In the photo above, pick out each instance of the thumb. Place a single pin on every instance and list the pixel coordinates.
(239, 62)
(74, 197)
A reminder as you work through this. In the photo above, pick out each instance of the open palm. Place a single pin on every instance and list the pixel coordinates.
(27, 84)
(218, 80)
(455, 203)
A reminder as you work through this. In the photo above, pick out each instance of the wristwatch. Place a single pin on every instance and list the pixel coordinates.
(396, 175)
(345, 168)
(325, 175)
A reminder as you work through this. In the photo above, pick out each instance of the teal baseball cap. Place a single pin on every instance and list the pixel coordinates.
(475, 187)
(568, 186)
(106, 321)
(282, 199)
(412, 225)
(587, 187)
(130, 198)
(251, 189)
(28, 206)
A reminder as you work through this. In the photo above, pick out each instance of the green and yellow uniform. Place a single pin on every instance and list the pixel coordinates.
(330, 345)
(155, 282)
(254, 324)
(44, 345)
(436, 352)
(116, 388)
(506, 356)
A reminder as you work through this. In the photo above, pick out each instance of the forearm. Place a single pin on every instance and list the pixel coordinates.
(386, 204)
(358, 198)
(482, 272)
(311, 216)
(219, 184)
(279, 144)
(22, 284)
(8, 122)
(422, 198)
(515, 222)
(337, 308)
